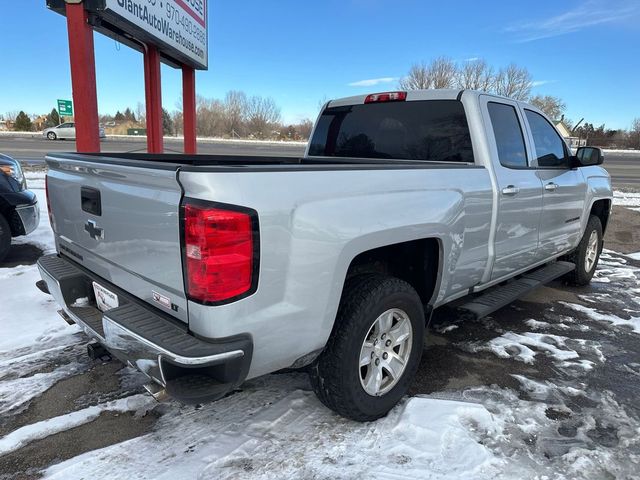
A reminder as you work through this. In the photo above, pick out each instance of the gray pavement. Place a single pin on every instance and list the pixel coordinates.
(623, 167)
(33, 150)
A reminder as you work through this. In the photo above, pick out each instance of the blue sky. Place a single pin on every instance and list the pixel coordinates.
(300, 52)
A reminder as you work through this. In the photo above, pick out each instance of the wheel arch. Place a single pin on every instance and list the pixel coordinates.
(417, 262)
(601, 208)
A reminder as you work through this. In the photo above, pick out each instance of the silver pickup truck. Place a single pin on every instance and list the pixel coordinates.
(205, 271)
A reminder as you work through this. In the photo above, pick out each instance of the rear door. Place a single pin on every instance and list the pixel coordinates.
(564, 189)
(122, 223)
(519, 188)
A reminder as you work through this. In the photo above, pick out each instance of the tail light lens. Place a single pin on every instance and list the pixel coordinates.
(386, 97)
(220, 248)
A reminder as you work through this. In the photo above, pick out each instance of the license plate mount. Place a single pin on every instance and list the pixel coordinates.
(105, 299)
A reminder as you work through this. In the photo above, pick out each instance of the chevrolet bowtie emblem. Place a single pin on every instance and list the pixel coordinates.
(93, 230)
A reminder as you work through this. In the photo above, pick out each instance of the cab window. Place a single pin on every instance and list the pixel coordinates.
(550, 148)
(427, 130)
(508, 134)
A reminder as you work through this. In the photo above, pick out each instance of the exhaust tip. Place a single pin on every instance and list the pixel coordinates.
(156, 391)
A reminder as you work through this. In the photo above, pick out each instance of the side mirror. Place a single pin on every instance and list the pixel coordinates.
(588, 156)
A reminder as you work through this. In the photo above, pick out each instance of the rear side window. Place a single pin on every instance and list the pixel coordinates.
(433, 130)
(508, 133)
(549, 145)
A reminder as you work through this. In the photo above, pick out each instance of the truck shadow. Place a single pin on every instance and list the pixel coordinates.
(22, 254)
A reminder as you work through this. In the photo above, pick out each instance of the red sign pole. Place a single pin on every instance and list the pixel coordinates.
(153, 96)
(189, 109)
(83, 79)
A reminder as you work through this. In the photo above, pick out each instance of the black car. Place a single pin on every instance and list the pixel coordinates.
(19, 212)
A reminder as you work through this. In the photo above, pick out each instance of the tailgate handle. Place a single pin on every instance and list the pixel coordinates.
(90, 198)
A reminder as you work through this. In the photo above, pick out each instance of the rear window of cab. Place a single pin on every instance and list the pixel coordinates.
(429, 130)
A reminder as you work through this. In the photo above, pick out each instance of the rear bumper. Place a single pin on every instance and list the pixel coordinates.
(191, 369)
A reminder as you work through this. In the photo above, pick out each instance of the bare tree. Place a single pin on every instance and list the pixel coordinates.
(11, 116)
(513, 82)
(304, 128)
(235, 112)
(418, 78)
(554, 107)
(443, 71)
(211, 117)
(476, 75)
(322, 102)
(263, 115)
(634, 134)
(141, 113)
(178, 122)
(440, 73)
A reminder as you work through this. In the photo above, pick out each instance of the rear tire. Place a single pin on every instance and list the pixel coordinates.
(380, 323)
(585, 257)
(5, 237)
(51, 136)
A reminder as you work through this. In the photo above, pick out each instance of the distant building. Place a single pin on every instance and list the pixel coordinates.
(6, 125)
(572, 140)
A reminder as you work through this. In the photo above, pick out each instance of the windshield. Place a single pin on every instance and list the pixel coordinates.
(433, 130)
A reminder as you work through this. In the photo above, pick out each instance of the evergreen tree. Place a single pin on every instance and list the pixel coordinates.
(22, 123)
(129, 115)
(53, 119)
(119, 117)
(167, 123)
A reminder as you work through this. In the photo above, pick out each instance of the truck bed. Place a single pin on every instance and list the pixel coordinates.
(172, 161)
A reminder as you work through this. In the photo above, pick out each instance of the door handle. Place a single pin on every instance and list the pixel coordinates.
(510, 190)
(551, 187)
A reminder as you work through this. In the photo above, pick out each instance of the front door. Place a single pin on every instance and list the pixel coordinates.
(564, 189)
(519, 189)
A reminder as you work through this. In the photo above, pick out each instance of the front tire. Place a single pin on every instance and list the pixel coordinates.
(374, 350)
(586, 255)
(51, 136)
(5, 237)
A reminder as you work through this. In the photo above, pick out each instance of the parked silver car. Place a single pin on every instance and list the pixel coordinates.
(65, 130)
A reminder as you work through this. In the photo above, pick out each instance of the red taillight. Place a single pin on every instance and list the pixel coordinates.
(219, 253)
(386, 97)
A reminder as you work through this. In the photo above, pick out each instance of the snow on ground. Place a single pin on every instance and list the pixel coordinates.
(280, 431)
(633, 322)
(630, 200)
(524, 347)
(623, 151)
(31, 332)
(20, 437)
(28, 318)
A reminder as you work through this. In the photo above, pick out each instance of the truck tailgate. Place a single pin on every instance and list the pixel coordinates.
(122, 223)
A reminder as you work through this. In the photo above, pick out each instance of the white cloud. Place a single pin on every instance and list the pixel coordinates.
(471, 59)
(373, 81)
(590, 13)
(538, 83)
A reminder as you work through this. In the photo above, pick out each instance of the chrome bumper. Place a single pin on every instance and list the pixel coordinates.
(143, 338)
(29, 216)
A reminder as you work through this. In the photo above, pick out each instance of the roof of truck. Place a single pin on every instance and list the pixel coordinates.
(414, 95)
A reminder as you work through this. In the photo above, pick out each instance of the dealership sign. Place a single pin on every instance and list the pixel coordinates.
(177, 28)
(178, 25)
